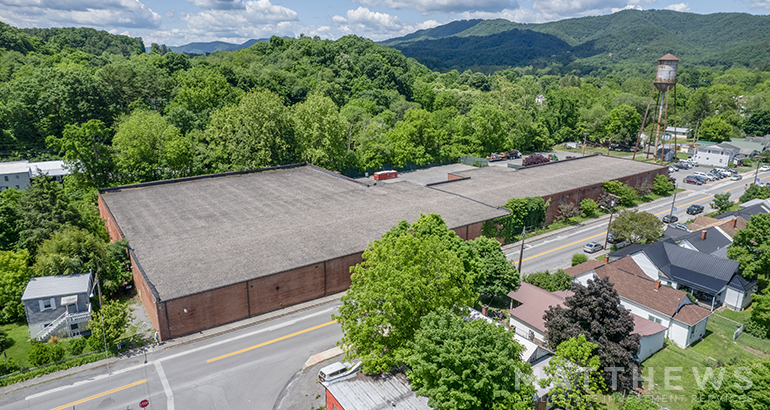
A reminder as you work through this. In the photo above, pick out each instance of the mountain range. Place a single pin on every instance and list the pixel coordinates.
(212, 46)
(618, 40)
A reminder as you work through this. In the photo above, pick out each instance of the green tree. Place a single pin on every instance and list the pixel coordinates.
(496, 275)
(551, 282)
(758, 123)
(14, 275)
(253, 134)
(579, 258)
(760, 313)
(623, 124)
(526, 212)
(628, 196)
(403, 277)
(9, 218)
(661, 185)
(722, 202)
(636, 226)
(45, 353)
(589, 207)
(86, 153)
(574, 373)
(44, 208)
(320, 132)
(751, 247)
(595, 311)
(113, 317)
(741, 386)
(140, 145)
(460, 365)
(699, 108)
(716, 130)
(755, 191)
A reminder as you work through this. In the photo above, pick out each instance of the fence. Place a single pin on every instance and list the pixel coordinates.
(474, 161)
(736, 330)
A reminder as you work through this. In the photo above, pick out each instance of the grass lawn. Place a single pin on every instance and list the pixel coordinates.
(21, 345)
(741, 317)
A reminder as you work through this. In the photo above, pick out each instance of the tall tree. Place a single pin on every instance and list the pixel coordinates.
(44, 208)
(623, 124)
(636, 226)
(751, 247)
(108, 324)
(461, 365)
(715, 129)
(403, 277)
(9, 218)
(758, 123)
(595, 311)
(14, 275)
(574, 373)
(496, 275)
(86, 153)
(722, 202)
(320, 131)
(141, 144)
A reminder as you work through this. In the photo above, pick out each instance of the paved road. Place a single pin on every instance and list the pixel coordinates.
(554, 252)
(244, 369)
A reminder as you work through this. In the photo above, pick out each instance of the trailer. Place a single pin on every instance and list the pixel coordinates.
(381, 175)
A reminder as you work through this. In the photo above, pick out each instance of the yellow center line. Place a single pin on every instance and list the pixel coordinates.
(96, 396)
(605, 232)
(564, 246)
(224, 356)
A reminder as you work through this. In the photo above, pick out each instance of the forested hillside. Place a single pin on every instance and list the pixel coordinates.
(349, 105)
(210, 47)
(634, 38)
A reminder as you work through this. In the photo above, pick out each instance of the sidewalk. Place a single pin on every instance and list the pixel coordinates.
(304, 391)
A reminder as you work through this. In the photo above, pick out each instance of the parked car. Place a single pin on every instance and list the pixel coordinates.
(694, 209)
(732, 170)
(680, 226)
(701, 179)
(765, 168)
(613, 239)
(669, 219)
(705, 175)
(692, 180)
(673, 169)
(592, 247)
(736, 177)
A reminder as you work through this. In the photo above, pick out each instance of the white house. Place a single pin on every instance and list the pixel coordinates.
(18, 174)
(58, 305)
(719, 155)
(527, 319)
(684, 321)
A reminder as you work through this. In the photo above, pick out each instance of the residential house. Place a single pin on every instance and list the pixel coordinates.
(58, 305)
(705, 276)
(747, 148)
(532, 353)
(360, 391)
(765, 141)
(527, 318)
(678, 132)
(683, 321)
(747, 210)
(719, 155)
(729, 226)
(712, 241)
(18, 174)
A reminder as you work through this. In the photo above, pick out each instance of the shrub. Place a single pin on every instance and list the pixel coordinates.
(644, 189)
(5, 340)
(579, 258)
(8, 366)
(551, 282)
(755, 191)
(535, 159)
(589, 207)
(45, 353)
(628, 195)
(567, 211)
(77, 346)
(755, 329)
(662, 185)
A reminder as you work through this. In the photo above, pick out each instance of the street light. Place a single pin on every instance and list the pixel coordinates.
(607, 236)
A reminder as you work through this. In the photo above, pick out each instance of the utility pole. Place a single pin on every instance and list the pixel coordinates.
(101, 312)
(756, 173)
(521, 252)
(607, 236)
(585, 138)
(673, 201)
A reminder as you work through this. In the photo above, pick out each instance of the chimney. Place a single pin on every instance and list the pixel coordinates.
(657, 284)
(703, 234)
(485, 310)
(734, 221)
(606, 258)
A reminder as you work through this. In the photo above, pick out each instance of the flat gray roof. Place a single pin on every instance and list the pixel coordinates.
(198, 234)
(59, 285)
(496, 185)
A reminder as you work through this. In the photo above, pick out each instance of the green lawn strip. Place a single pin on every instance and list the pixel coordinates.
(679, 392)
(66, 364)
(719, 344)
(21, 344)
(741, 317)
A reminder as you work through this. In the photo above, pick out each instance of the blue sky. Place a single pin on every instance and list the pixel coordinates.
(177, 22)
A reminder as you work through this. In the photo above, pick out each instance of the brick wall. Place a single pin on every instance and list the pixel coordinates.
(286, 288)
(109, 221)
(148, 299)
(474, 231)
(208, 309)
(331, 402)
(338, 272)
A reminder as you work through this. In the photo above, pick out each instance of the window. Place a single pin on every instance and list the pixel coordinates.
(6, 177)
(44, 325)
(47, 304)
(75, 327)
(17, 176)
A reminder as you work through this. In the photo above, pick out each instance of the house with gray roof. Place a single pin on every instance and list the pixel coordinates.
(719, 155)
(58, 305)
(707, 276)
(19, 174)
(373, 391)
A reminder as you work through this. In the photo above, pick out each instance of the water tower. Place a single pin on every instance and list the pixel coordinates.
(665, 81)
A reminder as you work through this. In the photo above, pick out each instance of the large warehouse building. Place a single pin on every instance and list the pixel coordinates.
(214, 249)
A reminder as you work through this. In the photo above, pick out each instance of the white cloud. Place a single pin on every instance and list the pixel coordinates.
(444, 6)
(678, 7)
(376, 25)
(760, 4)
(103, 14)
(551, 10)
(219, 4)
(258, 18)
(629, 7)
